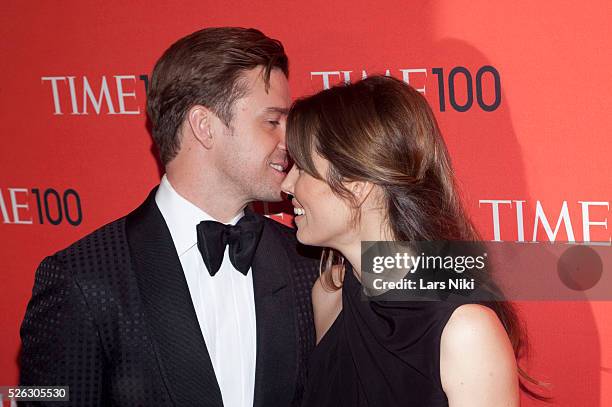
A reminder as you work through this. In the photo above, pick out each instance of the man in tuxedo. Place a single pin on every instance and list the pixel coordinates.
(192, 299)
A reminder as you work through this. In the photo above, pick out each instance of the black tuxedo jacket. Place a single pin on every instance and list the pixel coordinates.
(112, 318)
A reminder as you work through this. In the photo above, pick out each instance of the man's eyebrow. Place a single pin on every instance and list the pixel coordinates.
(281, 110)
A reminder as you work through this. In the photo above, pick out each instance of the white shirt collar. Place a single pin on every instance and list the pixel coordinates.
(182, 216)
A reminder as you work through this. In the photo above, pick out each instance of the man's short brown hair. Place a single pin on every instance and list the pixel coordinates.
(204, 68)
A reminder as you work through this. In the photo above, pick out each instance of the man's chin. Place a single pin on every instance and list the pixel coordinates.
(270, 196)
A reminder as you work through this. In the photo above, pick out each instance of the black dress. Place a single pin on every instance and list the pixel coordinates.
(379, 353)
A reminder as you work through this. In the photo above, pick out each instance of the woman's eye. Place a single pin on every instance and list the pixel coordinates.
(274, 122)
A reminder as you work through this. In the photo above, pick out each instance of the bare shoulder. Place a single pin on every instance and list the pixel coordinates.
(326, 301)
(477, 362)
(470, 322)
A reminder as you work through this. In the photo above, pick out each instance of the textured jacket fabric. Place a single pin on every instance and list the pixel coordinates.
(111, 317)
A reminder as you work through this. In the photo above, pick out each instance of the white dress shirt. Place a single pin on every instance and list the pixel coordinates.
(224, 304)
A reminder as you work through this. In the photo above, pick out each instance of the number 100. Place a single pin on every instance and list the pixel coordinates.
(460, 70)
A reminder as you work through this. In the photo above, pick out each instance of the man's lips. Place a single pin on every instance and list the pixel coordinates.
(280, 166)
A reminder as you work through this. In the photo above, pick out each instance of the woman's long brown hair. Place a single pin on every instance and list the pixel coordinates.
(382, 131)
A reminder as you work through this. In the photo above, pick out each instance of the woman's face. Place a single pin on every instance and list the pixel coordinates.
(322, 218)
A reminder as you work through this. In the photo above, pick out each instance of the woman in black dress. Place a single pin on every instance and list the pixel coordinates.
(371, 165)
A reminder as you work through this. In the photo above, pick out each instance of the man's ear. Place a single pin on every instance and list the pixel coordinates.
(360, 190)
(199, 120)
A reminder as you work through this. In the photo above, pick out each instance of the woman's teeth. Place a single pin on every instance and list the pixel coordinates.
(298, 211)
(277, 167)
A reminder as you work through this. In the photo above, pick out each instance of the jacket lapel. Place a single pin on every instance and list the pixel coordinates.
(276, 363)
(180, 348)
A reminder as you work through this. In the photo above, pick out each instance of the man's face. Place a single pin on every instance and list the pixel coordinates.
(252, 155)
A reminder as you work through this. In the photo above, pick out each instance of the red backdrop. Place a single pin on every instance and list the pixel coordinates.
(521, 91)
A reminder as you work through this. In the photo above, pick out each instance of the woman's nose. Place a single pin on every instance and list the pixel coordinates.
(289, 181)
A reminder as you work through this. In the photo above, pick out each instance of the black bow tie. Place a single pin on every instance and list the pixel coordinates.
(242, 239)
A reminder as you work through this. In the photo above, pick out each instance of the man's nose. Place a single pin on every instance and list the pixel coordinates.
(282, 142)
